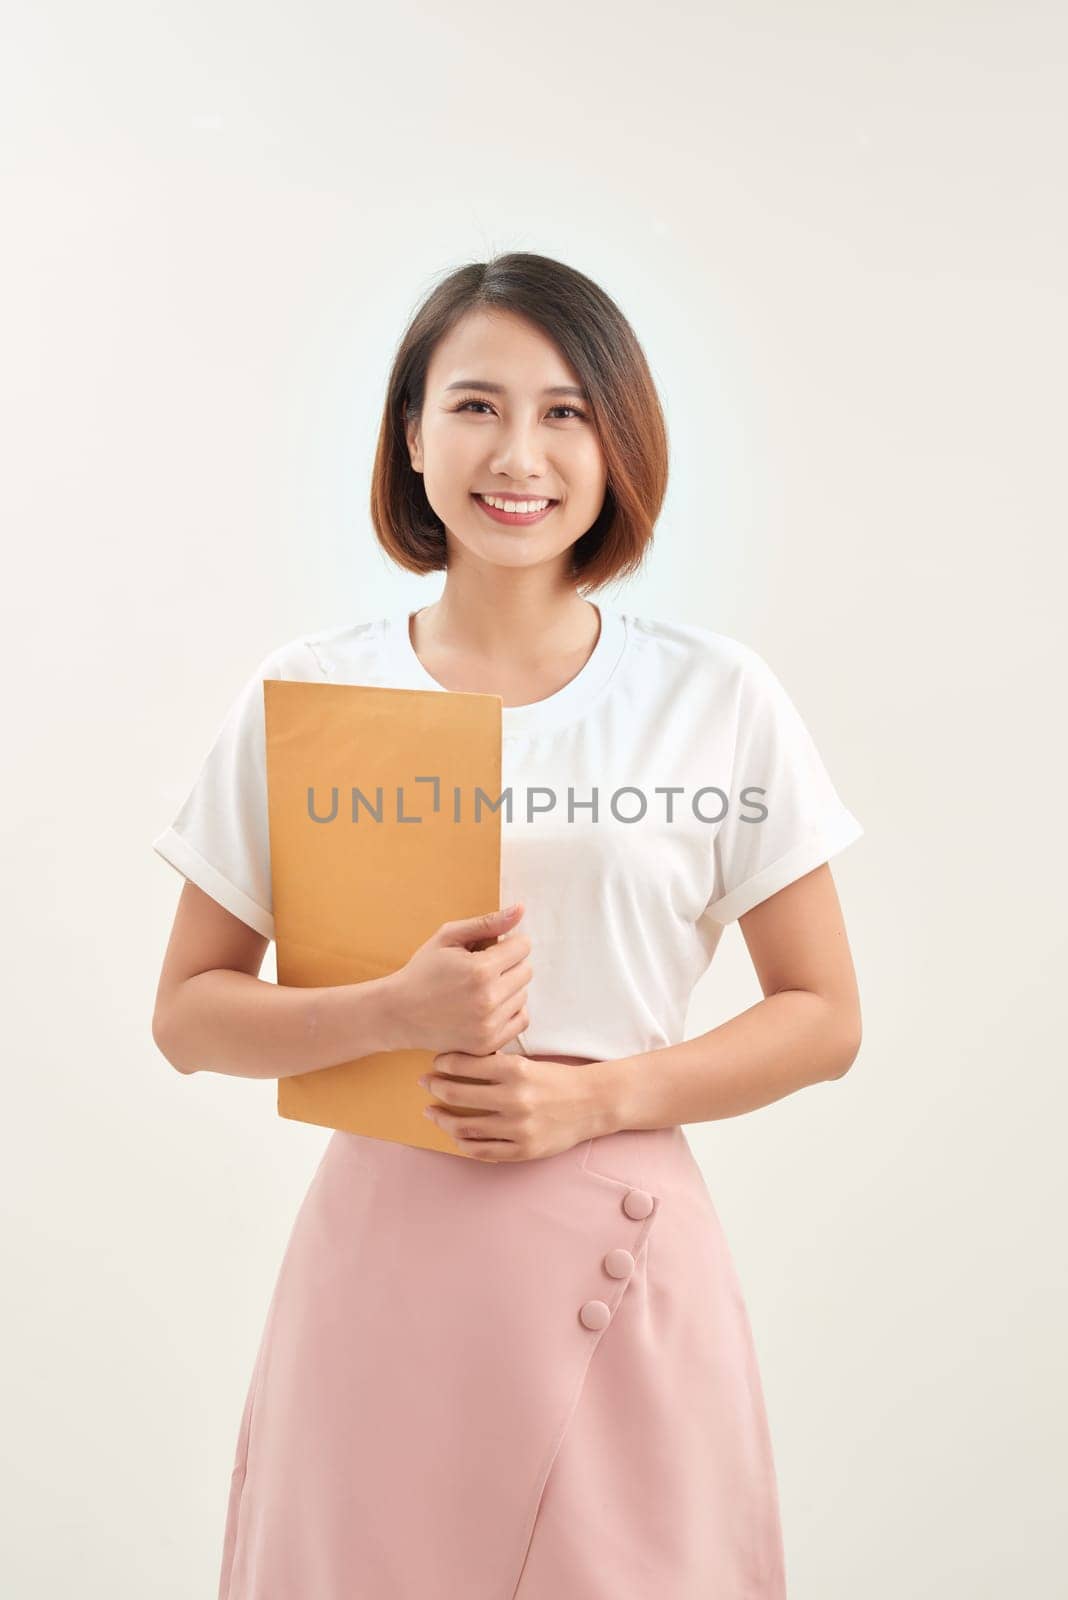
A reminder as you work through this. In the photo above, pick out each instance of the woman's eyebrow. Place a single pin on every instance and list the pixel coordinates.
(498, 388)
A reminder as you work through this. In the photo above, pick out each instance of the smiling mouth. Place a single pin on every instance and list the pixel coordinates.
(516, 518)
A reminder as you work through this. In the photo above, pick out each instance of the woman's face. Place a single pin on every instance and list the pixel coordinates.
(508, 435)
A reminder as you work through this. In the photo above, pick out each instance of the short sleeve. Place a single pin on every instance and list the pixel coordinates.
(769, 839)
(219, 839)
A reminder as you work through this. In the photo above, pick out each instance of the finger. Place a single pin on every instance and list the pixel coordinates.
(510, 1004)
(481, 1146)
(456, 1064)
(514, 981)
(466, 1130)
(507, 953)
(479, 1096)
(490, 1150)
(510, 1051)
(471, 1124)
(475, 930)
(511, 1017)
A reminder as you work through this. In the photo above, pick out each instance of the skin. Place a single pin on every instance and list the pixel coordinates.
(510, 622)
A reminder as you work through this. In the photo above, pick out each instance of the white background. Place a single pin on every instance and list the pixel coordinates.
(839, 233)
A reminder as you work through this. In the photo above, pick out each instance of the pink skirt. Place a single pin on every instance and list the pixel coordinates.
(505, 1381)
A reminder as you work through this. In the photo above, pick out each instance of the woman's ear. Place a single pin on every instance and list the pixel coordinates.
(415, 445)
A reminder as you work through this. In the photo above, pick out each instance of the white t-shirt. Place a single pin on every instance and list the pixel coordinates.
(625, 905)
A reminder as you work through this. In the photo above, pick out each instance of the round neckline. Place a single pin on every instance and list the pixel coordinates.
(538, 715)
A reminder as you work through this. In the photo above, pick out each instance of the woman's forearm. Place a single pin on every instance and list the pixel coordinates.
(785, 1042)
(245, 1027)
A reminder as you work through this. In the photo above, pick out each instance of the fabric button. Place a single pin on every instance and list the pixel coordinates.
(637, 1204)
(595, 1314)
(619, 1263)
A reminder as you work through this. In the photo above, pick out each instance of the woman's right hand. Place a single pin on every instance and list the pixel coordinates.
(463, 988)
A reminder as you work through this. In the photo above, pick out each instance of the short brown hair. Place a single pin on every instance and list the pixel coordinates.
(598, 341)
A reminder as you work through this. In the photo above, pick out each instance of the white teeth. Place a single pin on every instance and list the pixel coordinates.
(522, 506)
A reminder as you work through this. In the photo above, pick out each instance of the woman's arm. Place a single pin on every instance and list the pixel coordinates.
(807, 1029)
(214, 1013)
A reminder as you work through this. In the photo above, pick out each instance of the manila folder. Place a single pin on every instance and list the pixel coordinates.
(384, 820)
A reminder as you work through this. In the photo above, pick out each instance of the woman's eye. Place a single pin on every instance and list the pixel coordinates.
(574, 410)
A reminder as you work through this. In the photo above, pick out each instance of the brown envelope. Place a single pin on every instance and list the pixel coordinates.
(353, 899)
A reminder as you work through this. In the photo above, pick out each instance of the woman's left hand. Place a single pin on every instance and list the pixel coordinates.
(524, 1108)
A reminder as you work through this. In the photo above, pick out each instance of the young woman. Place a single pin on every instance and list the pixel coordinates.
(529, 1372)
